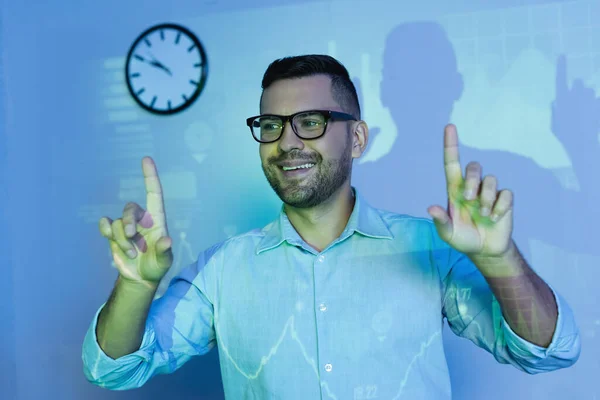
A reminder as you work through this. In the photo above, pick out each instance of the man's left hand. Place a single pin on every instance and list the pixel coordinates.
(479, 219)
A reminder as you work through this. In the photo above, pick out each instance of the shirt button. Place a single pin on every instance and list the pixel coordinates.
(321, 258)
(323, 307)
(328, 367)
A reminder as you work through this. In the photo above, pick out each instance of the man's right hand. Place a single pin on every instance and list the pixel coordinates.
(139, 241)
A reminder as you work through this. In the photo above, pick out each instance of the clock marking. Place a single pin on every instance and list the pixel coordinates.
(148, 42)
(177, 38)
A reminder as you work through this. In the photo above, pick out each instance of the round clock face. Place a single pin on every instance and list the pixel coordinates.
(166, 69)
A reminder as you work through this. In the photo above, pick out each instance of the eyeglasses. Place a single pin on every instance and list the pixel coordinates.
(306, 125)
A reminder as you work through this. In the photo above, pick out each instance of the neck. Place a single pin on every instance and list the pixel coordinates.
(321, 225)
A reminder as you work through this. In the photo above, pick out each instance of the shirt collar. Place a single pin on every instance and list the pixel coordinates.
(364, 219)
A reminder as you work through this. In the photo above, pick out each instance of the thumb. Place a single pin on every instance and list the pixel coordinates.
(164, 252)
(442, 221)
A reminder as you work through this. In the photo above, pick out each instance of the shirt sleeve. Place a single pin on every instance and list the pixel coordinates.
(180, 325)
(473, 312)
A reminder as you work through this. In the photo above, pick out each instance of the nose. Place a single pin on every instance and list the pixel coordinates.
(289, 140)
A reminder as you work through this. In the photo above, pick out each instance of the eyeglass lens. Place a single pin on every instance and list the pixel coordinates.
(307, 125)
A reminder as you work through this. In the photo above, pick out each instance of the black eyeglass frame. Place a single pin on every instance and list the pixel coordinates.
(328, 114)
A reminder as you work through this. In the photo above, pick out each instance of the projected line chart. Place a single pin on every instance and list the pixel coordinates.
(289, 330)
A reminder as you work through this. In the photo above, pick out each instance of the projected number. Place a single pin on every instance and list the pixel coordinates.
(166, 69)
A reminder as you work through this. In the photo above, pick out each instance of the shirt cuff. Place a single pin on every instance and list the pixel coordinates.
(98, 365)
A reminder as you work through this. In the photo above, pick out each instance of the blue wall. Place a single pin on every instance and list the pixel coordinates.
(71, 141)
(7, 305)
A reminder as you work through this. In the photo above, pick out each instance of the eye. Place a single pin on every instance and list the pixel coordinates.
(270, 125)
(310, 123)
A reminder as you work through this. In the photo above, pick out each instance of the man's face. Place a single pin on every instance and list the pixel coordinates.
(331, 154)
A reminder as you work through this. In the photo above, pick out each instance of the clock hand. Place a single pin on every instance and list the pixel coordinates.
(155, 63)
(158, 64)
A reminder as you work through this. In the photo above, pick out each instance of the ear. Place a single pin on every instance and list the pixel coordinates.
(359, 137)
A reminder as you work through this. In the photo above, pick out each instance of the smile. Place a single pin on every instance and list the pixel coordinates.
(298, 171)
(305, 166)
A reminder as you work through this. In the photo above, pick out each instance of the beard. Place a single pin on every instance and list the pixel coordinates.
(324, 179)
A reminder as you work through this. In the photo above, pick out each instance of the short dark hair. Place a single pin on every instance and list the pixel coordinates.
(342, 88)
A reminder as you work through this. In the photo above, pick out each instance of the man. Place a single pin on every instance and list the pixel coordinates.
(334, 299)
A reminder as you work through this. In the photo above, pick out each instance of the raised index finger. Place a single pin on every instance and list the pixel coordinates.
(154, 197)
(451, 157)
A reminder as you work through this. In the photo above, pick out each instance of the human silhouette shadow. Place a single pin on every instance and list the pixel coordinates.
(576, 123)
(420, 86)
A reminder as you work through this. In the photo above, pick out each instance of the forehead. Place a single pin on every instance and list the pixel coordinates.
(288, 96)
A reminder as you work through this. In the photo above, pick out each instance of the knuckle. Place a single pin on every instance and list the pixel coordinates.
(124, 244)
(490, 180)
(127, 217)
(104, 224)
(114, 247)
(119, 232)
(129, 207)
(487, 197)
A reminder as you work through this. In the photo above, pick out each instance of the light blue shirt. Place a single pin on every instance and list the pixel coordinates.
(361, 318)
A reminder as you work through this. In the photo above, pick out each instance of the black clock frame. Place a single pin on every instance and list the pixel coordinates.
(203, 67)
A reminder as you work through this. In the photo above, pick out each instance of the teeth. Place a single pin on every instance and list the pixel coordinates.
(298, 167)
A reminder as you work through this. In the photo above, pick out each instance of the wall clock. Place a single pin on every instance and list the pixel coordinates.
(166, 69)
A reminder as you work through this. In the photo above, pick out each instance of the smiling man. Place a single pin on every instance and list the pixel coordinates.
(308, 169)
(334, 299)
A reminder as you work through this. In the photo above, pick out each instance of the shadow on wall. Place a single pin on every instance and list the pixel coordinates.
(420, 87)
